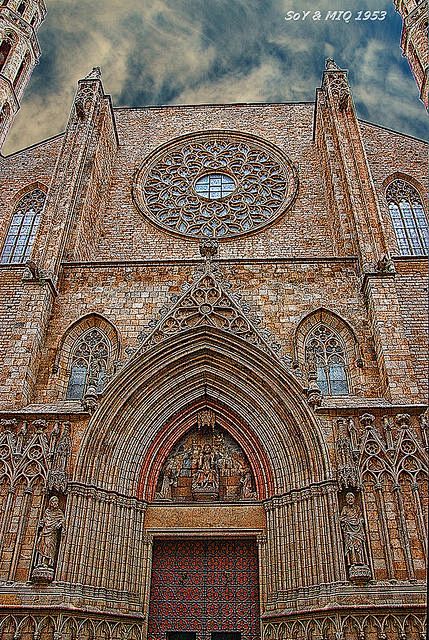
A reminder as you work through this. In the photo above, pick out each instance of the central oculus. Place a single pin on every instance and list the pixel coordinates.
(215, 185)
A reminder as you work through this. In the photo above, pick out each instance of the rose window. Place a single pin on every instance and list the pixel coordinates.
(217, 186)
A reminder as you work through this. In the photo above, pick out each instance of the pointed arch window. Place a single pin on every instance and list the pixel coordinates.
(88, 364)
(325, 350)
(23, 228)
(23, 67)
(408, 218)
(5, 47)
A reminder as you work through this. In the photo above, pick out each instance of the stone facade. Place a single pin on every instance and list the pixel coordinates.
(415, 42)
(258, 394)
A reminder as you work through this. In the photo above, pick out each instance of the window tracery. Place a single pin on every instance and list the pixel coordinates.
(216, 185)
(23, 228)
(408, 218)
(325, 351)
(89, 364)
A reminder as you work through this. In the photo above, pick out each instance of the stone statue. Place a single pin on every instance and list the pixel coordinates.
(46, 546)
(352, 525)
(246, 490)
(206, 475)
(169, 479)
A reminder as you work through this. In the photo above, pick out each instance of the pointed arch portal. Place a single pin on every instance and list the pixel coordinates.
(150, 403)
(207, 552)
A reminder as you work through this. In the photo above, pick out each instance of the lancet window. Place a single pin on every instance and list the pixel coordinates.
(325, 350)
(408, 218)
(23, 228)
(5, 47)
(89, 363)
(22, 68)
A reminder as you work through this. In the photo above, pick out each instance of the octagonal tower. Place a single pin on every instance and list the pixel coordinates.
(19, 53)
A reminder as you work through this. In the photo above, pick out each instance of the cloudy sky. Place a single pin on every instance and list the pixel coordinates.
(204, 51)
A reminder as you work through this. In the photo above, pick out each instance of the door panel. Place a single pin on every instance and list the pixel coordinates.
(207, 586)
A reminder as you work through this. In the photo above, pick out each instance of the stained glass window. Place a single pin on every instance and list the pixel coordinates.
(88, 364)
(324, 348)
(23, 228)
(408, 218)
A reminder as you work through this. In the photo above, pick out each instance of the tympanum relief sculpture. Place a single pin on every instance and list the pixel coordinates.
(207, 464)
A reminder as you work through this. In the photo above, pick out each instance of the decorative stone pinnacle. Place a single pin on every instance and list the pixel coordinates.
(403, 420)
(367, 420)
(331, 65)
(208, 248)
(95, 74)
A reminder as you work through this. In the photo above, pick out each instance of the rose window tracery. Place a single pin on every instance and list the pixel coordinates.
(218, 186)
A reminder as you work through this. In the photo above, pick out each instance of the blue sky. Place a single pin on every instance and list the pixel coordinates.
(210, 51)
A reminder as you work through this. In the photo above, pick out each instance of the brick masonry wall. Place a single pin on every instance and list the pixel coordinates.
(129, 235)
(20, 171)
(412, 287)
(280, 294)
(390, 155)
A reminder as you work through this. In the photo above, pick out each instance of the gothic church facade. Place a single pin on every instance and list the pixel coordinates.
(212, 393)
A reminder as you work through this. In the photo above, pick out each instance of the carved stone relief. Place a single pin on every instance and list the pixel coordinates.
(207, 464)
(384, 462)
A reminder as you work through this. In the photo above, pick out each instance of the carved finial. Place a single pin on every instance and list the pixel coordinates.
(90, 399)
(40, 425)
(208, 248)
(206, 418)
(403, 420)
(367, 420)
(314, 394)
(95, 74)
(331, 65)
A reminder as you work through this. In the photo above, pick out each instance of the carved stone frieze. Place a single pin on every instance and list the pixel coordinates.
(67, 626)
(350, 624)
(28, 452)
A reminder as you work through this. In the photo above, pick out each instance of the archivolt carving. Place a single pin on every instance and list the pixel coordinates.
(265, 185)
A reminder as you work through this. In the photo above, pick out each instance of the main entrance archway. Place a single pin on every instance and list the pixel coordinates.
(204, 586)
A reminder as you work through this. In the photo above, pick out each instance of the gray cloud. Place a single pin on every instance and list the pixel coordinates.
(196, 51)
